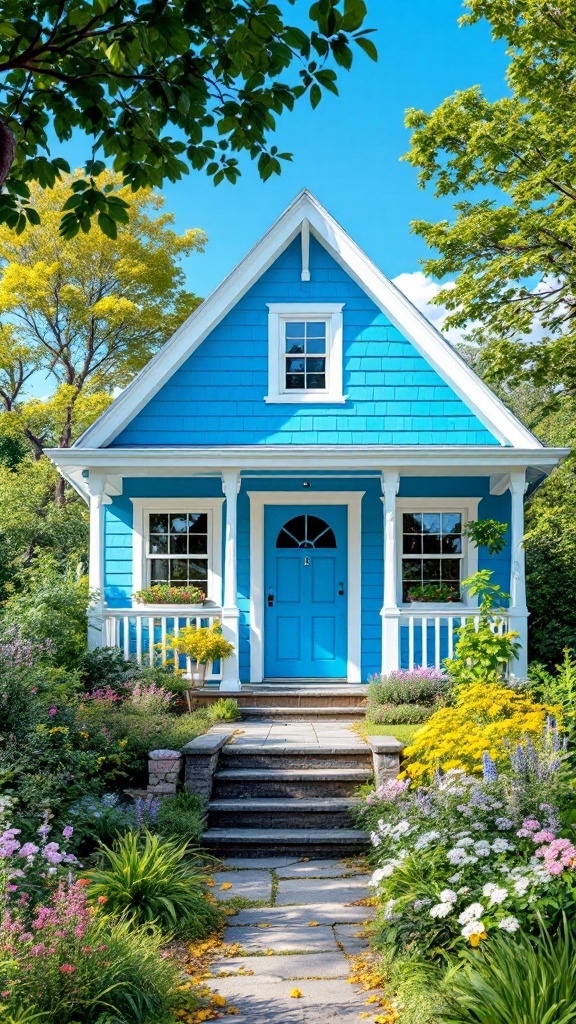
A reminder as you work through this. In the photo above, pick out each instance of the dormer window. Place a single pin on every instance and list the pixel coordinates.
(305, 353)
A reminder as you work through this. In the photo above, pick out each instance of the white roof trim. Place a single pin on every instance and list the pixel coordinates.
(438, 352)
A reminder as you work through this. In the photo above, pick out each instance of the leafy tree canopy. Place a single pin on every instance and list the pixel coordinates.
(158, 87)
(515, 258)
(89, 311)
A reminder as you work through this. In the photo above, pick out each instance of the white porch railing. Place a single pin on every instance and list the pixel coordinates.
(141, 633)
(426, 638)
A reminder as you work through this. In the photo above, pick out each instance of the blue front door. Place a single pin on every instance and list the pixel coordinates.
(305, 592)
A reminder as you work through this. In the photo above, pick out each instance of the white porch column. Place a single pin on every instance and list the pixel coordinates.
(518, 609)
(390, 611)
(96, 635)
(230, 610)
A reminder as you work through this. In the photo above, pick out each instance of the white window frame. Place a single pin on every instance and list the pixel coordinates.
(468, 509)
(278, 315)
(212, 507)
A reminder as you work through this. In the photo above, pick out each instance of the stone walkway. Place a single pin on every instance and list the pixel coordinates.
(315, 734)
(299, 937)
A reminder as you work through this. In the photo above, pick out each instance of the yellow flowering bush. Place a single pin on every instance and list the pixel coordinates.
(204, 644)
(483, 717)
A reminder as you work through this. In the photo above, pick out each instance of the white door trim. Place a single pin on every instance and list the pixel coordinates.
(258, 501)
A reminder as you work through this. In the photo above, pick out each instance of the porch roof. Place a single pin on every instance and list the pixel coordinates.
(76, 464)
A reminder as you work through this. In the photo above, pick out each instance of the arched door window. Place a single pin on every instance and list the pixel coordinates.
(306, 531)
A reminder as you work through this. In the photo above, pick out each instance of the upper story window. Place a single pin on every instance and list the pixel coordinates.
(305, 353)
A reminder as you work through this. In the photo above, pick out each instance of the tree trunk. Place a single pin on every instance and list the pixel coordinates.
(7, 150)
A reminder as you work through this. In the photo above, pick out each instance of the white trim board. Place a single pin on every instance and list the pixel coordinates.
(213, 508)
(438, 352)
(258, 501)
(469, 509)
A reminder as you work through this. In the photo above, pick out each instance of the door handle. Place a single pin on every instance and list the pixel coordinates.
(270, 598)
(341, 589)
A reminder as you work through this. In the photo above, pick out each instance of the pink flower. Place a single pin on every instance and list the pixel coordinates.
(28, 850)
(531, 824)
(67, 969)
(555, 868)
(52, 711)
(370, 799)
(67, 832)
(544, 836)
(38, 949)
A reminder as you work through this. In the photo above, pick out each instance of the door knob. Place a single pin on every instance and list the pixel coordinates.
(340, 589)
(270, 598)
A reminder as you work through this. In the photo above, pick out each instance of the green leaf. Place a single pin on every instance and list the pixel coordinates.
(315, 95)
(368, 46)
(354, 13)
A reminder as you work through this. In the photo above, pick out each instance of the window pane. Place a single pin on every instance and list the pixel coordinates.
(159, 570)
(316, 345)
(430, 569)
(158, 523)
(198, 544)
(179, 523)
(295, 347)
(158, 545)
(295, 365)
(179, 544)
(197, 569)
(412, 522)
(316, 381)
(295, 381)
(451, 568)
(451, 522)
(412, 544)
(431, 544)
(451, 545)
(179, 569)
(315, 364)
(316, 329)
(295, 329)
(198, 522)
(412, 569)
(431, 522)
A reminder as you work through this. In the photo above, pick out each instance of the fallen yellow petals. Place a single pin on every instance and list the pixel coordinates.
(295, 993)
(232, 1010)
(372, 999)
(312, 924)
(264, 924)
(269, 952)
(210, 882)
(218, 1000)
(225, 885)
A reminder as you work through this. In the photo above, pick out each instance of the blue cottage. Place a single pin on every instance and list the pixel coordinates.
(306, 449)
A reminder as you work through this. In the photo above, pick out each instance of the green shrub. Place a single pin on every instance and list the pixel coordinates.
(516, 981)
(224, 710)
(181, 817)
(393, 714)
(147, 879)
(105, 666)
(410, 686)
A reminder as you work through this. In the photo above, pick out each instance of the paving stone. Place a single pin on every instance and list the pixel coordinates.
(351, 938)
(316, 992)
(317, 869)
(322, 890)
(250, 884)
(259, 863)
(312, 965)
(324, 913)
(284, 939)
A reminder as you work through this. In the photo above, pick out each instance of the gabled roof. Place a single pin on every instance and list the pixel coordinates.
(306, 210)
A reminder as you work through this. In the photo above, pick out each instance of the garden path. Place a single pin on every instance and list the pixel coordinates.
(300, 936)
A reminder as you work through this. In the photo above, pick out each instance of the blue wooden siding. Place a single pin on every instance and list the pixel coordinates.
(118, 540)
(217, 395)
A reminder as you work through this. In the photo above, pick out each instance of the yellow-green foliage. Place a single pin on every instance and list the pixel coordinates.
(204, 644)
(483, 717)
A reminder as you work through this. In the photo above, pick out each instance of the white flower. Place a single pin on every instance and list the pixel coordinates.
(389, 910)
(466, 841)
(441, 909)
(375, 839)
(482, 848)
(385, 871)
(509, 924)
(402, 828)
(448, 896)
(475, 910)
(384, 827)
(497, 895)
(425, 839)
(464, 890)
(475, 927)
(457, 856)
(500, 845)
(521, 886)
(478, 826)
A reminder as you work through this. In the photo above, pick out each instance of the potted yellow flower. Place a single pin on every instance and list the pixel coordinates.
(205, 645)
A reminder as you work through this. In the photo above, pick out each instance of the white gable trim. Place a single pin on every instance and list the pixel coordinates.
(443, 358)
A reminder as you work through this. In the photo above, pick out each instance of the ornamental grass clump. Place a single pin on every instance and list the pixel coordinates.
(486, 717)
(148, 880)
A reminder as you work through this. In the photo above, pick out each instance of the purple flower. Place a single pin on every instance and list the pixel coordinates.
(489, 768)
(52, 711)
(28, 850)
(67, 832)
(44, 830)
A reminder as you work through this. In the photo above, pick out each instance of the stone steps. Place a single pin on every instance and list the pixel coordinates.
(282, 812)
(289, 755)
(348, 713)
(299, 842)
(282, 696)
(289, 782)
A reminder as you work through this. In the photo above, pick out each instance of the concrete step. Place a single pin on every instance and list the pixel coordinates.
(343, 695)
(323, 843)
(289, 782)
(304, 714)
(335, 812)
(288, 755)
